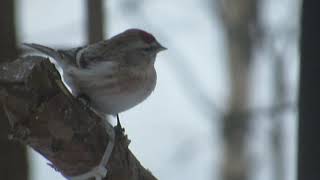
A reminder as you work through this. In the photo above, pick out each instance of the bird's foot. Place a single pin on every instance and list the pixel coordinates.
(118, 128)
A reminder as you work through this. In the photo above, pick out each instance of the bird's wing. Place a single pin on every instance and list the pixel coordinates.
(93, 54)
(61, 57)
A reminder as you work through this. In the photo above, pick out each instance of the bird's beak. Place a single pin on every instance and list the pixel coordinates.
(160, 47)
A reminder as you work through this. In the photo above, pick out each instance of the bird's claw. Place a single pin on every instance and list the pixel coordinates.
(118, 128)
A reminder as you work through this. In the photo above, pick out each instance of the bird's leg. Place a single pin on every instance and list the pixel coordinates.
(119, 130)
(118, 121)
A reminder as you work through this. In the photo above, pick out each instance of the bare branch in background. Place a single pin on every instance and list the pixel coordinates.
(45, 116)
(95, 21)
(280, 97)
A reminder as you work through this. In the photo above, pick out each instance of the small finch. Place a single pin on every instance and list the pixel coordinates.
(115, 74)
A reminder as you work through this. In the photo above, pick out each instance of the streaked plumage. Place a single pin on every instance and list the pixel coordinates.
(116, 74)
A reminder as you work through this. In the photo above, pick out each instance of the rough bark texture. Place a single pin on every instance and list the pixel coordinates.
(10, 152)
(46, 117)
(309, 98)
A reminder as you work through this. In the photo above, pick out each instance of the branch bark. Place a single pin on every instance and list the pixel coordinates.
(44, 115)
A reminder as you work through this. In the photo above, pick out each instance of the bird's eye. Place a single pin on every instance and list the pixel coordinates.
(148, 49)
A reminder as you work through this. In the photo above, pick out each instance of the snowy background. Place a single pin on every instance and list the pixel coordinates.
(173, 133)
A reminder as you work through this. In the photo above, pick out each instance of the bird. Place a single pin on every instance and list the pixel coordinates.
(114, 74)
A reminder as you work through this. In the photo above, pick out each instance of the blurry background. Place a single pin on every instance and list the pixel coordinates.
(225, 103)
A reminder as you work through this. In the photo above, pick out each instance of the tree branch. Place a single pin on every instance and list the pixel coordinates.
(45, 116)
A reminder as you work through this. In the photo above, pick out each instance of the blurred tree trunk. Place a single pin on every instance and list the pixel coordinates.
(239, 18)
(309, 98)
(13, 165)
(95, 21)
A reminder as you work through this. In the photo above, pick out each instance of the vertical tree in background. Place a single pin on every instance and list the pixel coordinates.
(309, 97)
(239, 19)
(13, 164)
(95, 21)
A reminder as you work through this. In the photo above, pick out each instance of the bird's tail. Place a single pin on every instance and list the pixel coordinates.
(59, 59)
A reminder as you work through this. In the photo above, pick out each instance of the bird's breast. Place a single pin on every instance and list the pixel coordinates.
(122, 90)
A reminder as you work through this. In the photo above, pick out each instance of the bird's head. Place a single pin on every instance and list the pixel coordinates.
(138, 45)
